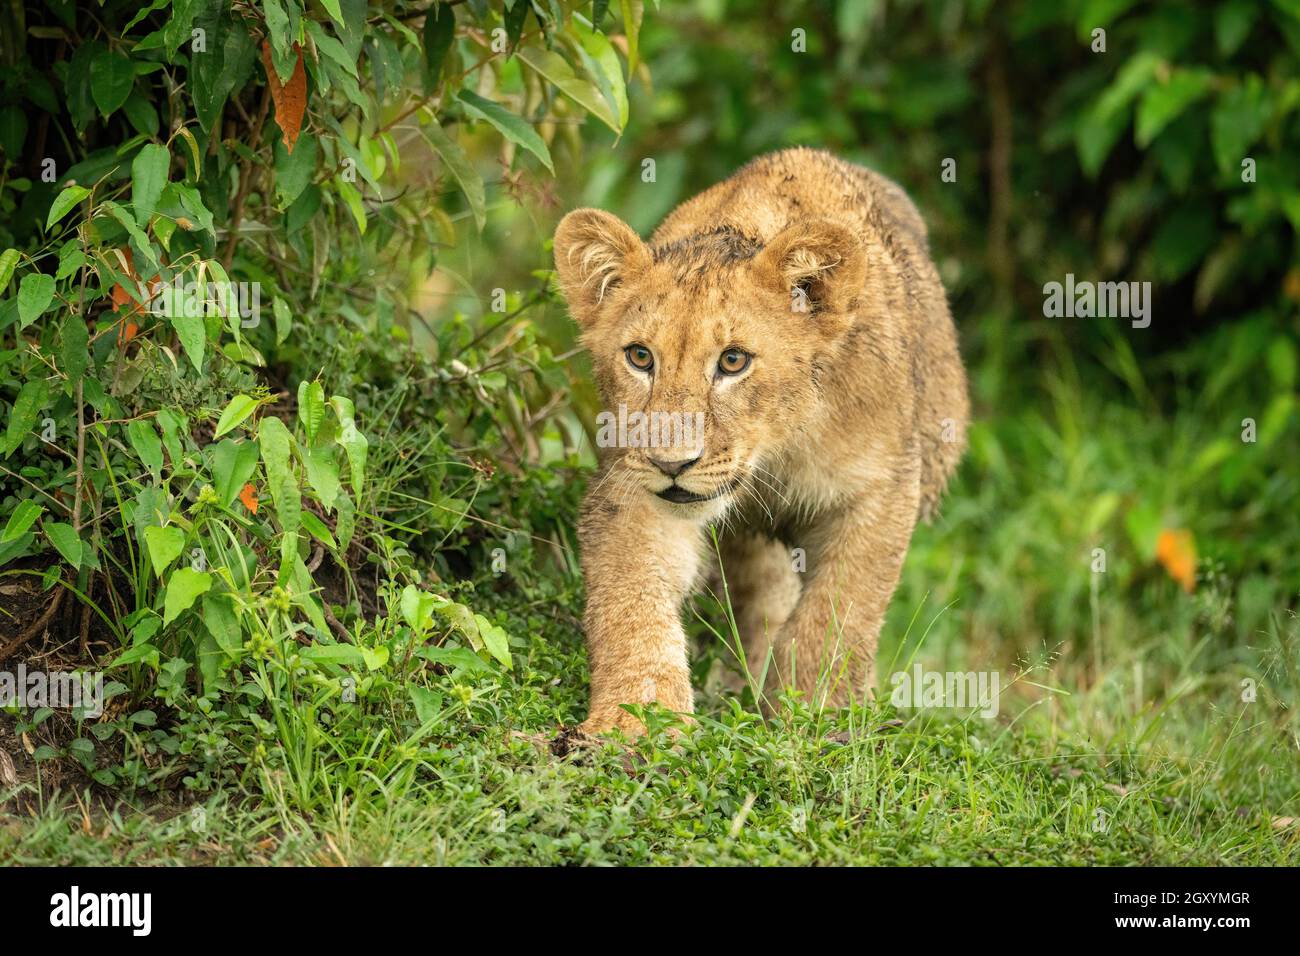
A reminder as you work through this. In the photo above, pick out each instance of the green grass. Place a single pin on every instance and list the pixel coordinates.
(1124, 738)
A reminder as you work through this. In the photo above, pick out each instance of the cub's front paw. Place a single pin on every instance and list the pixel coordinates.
(604, 720)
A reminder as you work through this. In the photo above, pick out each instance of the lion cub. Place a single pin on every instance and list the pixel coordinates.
(783, 367)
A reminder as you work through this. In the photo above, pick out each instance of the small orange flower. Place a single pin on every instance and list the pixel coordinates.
(1176, 550)
(249, 497)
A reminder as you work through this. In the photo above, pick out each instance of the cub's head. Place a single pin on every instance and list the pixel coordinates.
(707, 350)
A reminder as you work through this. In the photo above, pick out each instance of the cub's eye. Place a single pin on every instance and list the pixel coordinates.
(640, 357)
(733, 361)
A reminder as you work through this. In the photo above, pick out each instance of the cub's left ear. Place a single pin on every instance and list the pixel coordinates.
(820, 264)
(595, 252)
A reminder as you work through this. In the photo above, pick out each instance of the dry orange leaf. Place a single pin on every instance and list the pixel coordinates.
(1176, 550)
(249, 497)
(290, 98)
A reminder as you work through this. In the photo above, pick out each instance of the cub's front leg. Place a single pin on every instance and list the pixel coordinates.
(827, 647)
(639, 564)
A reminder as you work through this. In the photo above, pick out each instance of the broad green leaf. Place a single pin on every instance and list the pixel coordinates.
(240, 407)
(557, 70)
(65, 538)
(276, 444)
(439, 31)
(294, 170)
(148, 177)
(461, 169)
(633, 11)
(602, 64)
(336, 14)
(190, 330)
(512, 127)
(374, 658)
(144, 439)
(35, 293)
(322, 475)
(63, 202)
(74, 348)
(24, 516)
(318, 530)
(139, 239)
(183, 589)
(1162, 103)
(22, 418)
(8, 260)
(111, 79)
(165, 546)
(233, 464)
(283, 320)
(311, 408)
(222, 621)
(354, 443)
(427, 703)
(331, 47)
(494, 639)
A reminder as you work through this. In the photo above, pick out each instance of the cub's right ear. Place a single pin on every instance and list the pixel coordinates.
(595, 252)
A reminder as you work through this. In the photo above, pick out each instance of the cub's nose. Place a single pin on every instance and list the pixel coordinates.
(674, 468)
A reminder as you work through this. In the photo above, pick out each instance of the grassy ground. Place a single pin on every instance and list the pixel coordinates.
(1125, 732)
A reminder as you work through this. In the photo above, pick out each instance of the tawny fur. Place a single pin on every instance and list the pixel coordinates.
(839, 436)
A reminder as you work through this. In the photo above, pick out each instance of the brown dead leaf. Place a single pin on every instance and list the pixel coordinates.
(8, 775)
(290, 99)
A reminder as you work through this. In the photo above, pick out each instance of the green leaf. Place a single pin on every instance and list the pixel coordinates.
(512, 127)
(74, 348)
(354, 443)
(63, 202)
(374, 658)
(8, 260)
(65, 538)
(240, 407)
(557, 70)
(165, 546)
(148, 177)
(111, 79)
(323, 475)
(633, 11)
(1238, 120)
(427, 703)
(144, 439)
(233, 463)
(494, 639)
(27, 408)
(332, 8)
(193, 335)
(24, 516)
(460, 167)
(439, 31)
(283, 320)
(222, 622)
(183, 589)
(318, 530)
(294, 171)
(1162, 103)
(35, 293)
(276, 444)
(311, 408)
